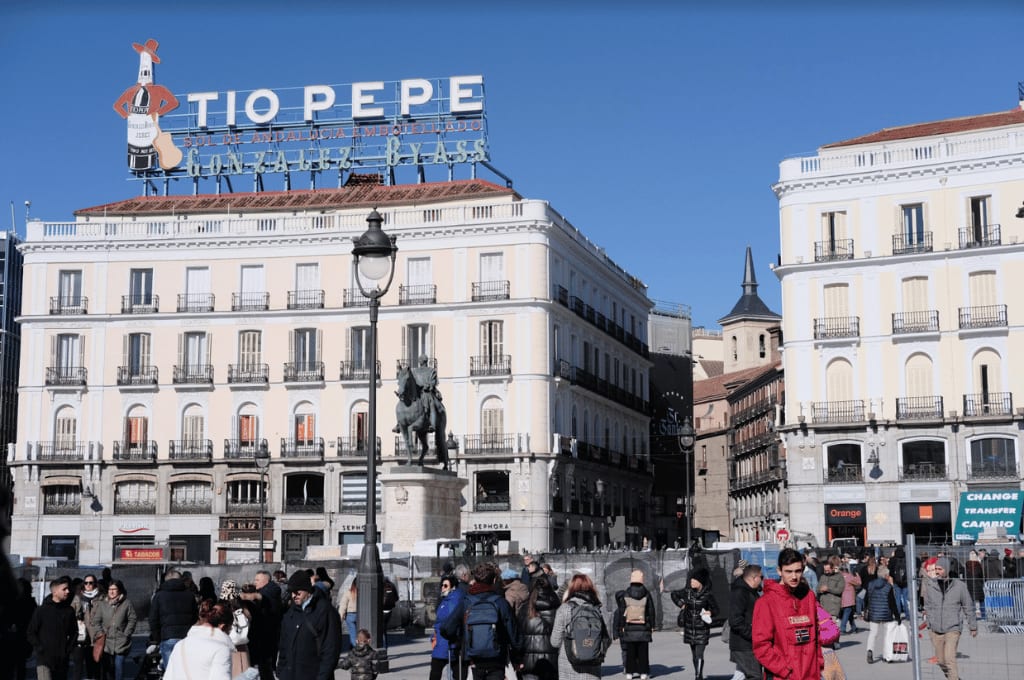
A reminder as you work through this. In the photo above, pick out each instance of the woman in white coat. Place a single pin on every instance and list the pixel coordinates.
(205, 653)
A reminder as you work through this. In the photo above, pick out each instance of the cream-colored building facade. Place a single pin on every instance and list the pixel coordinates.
(901, 256)
(168, 339)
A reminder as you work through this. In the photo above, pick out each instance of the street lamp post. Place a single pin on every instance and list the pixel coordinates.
(262, 458)
(374, 258)
(687, 438)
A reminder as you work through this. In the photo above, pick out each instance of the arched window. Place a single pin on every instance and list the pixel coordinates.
(919, 376)
(247, 427)
(839, 380)
(304, 493)
(135, 497)
(304, 424)
(136, 429)
(65, 429)
(492, 419)
(193, 425)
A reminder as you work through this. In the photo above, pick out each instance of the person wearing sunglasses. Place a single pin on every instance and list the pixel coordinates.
(442, 651)
(84, 603)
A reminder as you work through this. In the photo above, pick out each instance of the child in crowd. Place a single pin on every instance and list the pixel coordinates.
(362, 660)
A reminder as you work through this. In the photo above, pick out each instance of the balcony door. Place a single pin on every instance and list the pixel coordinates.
(137, 353)
(193, 427)
(65, 430)
(833, 231)
(979, 218)
(919, 373)
(913, 223)
(68, 352)
(305, 348)
(491, 342)
(250, 352)
(417, 342)
(140, 286)
(136, 430)
(69, 288)
(193, 351)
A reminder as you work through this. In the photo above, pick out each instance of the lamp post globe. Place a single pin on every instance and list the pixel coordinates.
(374, 257)
(687, 440)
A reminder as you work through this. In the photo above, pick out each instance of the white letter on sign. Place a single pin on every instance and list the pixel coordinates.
(426, 91)
(458, 94)
(311, 104)
(359, 99)
(202, 98)
(250, 106)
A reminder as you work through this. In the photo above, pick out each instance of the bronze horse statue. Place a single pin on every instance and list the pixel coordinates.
(414, 420)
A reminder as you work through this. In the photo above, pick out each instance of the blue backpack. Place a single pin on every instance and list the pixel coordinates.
(482, 627)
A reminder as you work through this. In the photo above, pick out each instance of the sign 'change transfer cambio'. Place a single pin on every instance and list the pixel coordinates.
(993, 510)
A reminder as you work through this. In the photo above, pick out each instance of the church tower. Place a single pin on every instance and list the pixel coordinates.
(751, 331)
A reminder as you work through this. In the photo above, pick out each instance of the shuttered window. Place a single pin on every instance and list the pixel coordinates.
(919, 376)
(915, 294)
(839, 381)
(982, 287)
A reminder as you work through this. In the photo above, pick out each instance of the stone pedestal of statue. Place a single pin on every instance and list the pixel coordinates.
(420, 503)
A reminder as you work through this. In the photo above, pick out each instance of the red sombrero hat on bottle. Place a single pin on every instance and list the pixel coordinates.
(149, 48)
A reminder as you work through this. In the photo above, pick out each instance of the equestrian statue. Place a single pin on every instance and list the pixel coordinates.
(420, 411)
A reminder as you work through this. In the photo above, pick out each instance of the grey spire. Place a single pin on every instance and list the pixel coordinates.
(749, 306)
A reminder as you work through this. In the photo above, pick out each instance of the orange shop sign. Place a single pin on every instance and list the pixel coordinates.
(141, 555)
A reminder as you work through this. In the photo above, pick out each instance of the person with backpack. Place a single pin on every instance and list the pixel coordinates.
(489, 630)
(898, 571)
(537, 659)
(697, 609)
(579, 630)
(633, 625)
(389, 600)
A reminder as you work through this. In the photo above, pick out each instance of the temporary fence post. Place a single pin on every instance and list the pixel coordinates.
(915, 641)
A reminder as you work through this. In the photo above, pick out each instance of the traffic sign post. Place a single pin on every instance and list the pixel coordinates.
(782, 535)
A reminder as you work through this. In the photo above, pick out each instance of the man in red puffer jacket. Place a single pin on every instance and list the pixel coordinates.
(785, 630)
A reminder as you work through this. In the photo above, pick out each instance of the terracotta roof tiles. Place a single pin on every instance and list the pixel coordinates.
(940, 127)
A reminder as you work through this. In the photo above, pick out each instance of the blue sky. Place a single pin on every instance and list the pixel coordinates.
(655, 127)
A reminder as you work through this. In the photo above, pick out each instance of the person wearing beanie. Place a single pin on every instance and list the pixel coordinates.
(310, 633)
(697, 608)
(947, 604)
(633, 625)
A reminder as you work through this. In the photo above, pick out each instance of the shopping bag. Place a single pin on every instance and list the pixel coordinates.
(897, 643)
(833, 669)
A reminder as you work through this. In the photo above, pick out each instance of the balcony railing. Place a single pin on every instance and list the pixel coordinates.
(830, 327)
(135, 452)
(915, 322)
(244, 449)
(307, 449)
(353, 297)
(69, 306)
(918, 408)
(250, 302)
(190, 449)
(561, 295)
(305, 299)
(191, 507)
(485, 444)
(134, 507)
(304, 505)
(249, 373)
(309, 371)
(980, 236)
(354, 447)
(988, 316)
(193, 374)
(830, 251)
(357, 370)
(59, 452)
(490, 365)
(140, 304)
(848, 474)
(988, 404)
(484, 291)
(493, 502)
(195, 302)
(66, 376)
(981, 472)
(902, 244)
(915, 472)
(417, 295)
(851, 411)
(138, 375)
(62, 507)
(248, 508)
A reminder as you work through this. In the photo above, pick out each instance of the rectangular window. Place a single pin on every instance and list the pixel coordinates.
(68, 351)
(307, 277)
(305, 428)
(913, 223)
(248, 430)
(136, 353)
(69, 288)
(586, 356)
(979, 216)
(359, 348)
(359, 425)
(915, 294)
(141, 286)
(193, 429)
(833, 229)
(982, 287)
(836, 305)
(353, 493)
(252, 280)
(492, 422)
(194, 350)
(418, 272)
(65, 432)
(491, 345)
(305, 348)
(250, 353)
(136, 431)
(492, 267)
(417, 342)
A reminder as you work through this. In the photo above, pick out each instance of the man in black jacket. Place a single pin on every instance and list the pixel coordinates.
(266, 625)
(743, 595)
(310, 633)
(171, 613)
(53, 632)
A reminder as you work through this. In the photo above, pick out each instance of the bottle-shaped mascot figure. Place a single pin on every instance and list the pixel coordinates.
(142, 104)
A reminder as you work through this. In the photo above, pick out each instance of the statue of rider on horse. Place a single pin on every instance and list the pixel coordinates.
(420, 411)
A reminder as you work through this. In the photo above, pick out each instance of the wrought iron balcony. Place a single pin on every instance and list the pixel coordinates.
(561, 295)
(69, 306)
(983, 472)
(309, 505)
(55, 507)
(190, 450)
(831, 251)
(916, 472)
(354, 447)
(193, 374)
(493, 502)
(577, 305)
(357, 370)
(918, 408)
(307, 449)
(195, 302)
(191, 507)
(247, 508)
(305, 299)
(485, 291)
(249, 373)
(425, 294)
(138, 375)
(988, 316)
(61, 452)
(135, 452)
(134, 507)
(902, 244)
(250, 302)
(353, 297)
(831, 327)
(244, 449)
(847, 474)
(66, 376)
(988, 404)
(140, 304)
(490, 365)
(851, 411)
(488, 444)
(309, 371)
(915, 322)
(980, 236)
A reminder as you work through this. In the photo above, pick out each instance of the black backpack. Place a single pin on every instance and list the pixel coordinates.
(586, 640)
(899, 572)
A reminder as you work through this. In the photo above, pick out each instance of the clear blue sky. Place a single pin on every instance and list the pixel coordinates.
(655, 127)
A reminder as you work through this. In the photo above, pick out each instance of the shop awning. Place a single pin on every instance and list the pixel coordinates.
(981, 510)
